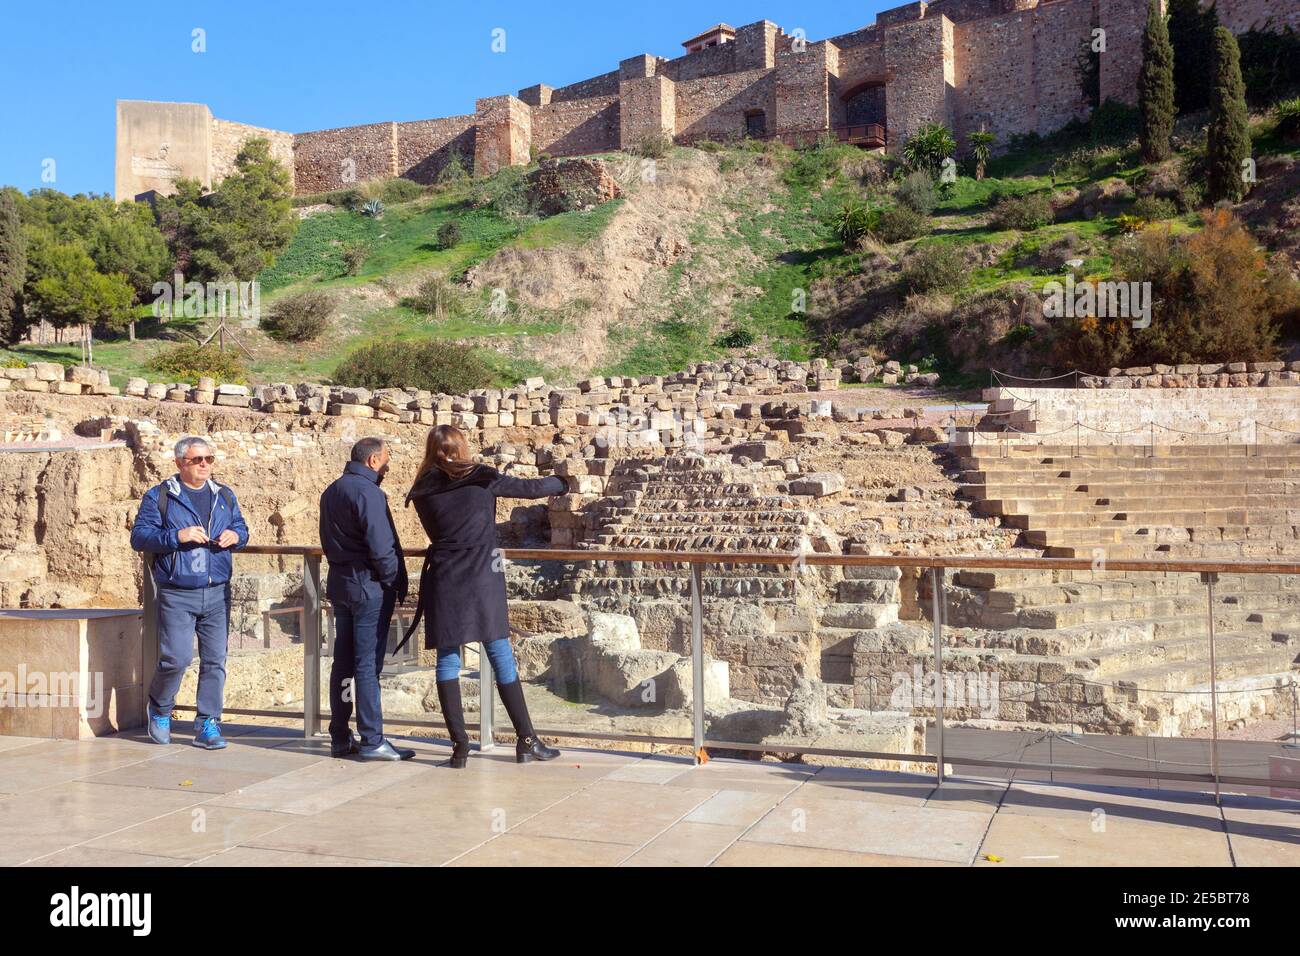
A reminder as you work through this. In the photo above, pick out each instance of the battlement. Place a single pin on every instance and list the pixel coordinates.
(1004, 66)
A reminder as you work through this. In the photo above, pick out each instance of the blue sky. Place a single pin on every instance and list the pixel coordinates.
(299, 66)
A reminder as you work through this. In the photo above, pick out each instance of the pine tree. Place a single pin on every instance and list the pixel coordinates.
(13, 269)
(1191, 33)
(1228, 137)
(1156, 88)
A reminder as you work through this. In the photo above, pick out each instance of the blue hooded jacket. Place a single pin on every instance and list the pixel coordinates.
(189, 565)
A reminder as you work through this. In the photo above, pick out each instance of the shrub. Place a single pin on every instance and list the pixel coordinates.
(1215, 298)
(454, 172)
(1113, 122)
(188, 363)
(436, 296)
(710, 146)
(917, 191)
(851, 223)
(1022, 212)
(655, 145)
(354, 257)
(900, 222)
(299, 318)
(736, 338)
(1154, 208)
(1288, 118)
(399, 190)
(434, 364)
(940, 267)
(449, 234)
(505, 193)
(373, 208)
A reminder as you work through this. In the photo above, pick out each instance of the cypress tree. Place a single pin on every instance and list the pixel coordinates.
(1191, 33)
(1228, 136)
(1156, 87)
(13, 269)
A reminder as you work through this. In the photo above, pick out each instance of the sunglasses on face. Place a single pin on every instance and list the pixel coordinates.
(205, 459)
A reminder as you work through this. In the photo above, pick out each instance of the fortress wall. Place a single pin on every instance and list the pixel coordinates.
(919, 58)
(503, 133)
(158, 143)
(604, 85)
(1240, 15)
(801, 88)
(1037, 90)
(707, 62)
(714, 107)
(228, 138)
(1124, 22)
(859, 64)
(573, 127)
(339, 158)
(424, 147)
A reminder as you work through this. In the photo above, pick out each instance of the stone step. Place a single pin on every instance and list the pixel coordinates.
(665, 586)
(858, 616)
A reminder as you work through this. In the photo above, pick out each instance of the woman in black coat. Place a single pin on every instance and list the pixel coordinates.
(463, 582)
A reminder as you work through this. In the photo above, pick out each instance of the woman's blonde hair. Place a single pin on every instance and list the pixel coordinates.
(446, 449)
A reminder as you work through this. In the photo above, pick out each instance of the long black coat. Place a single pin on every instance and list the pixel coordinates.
(463, 582)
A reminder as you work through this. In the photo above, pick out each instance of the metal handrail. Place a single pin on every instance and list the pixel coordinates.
(937, 565)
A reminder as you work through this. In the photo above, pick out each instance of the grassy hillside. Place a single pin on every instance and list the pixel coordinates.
(755, 266)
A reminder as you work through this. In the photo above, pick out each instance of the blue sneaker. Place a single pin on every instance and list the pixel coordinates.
(160, 726)
(207, 734)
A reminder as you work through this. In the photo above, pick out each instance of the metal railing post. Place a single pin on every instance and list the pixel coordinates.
(1209, 577)
(148, 639)
(311, 645)
(487, 702)
(936, 580)
(697, 663)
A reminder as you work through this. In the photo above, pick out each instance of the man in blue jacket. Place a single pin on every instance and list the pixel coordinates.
(367, 577)
(189, 525)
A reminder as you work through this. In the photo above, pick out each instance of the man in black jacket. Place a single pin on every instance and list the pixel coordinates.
(367, 577)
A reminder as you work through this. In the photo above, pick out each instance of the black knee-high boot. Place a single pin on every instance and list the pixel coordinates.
(527, 745)
(454, 714)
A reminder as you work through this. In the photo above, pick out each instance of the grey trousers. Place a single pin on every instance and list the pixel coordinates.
(183, 613)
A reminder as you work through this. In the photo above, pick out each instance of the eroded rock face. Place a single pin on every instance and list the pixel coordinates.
(565, 185)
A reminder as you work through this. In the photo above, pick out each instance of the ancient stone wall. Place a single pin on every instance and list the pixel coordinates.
(424, 147)
(648, 107)
(503, 134)
(604, 85)
(715, 107)
(339, 158)
(1007, 66)
(574, 127)
(229, 138)
(1035, 86)
(1242, 15)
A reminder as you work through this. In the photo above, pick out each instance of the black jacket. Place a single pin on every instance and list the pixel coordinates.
(463, 582)
(359, 536)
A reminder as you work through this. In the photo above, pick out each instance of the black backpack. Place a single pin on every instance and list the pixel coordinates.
(226, 494)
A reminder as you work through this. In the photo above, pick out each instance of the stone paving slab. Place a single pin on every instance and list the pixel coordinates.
(273, 798)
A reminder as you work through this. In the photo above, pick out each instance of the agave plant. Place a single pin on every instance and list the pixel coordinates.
(374, 209)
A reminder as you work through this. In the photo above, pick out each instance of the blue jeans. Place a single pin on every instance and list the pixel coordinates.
(183, 613)
(498, 653)
(361, 621)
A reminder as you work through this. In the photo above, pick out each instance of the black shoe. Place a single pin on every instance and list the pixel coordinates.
(454, 714)
(385, 751)
(531, 748)
(528, 746)
(345, 748)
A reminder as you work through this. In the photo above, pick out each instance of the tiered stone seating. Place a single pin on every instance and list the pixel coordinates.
(1139, 639)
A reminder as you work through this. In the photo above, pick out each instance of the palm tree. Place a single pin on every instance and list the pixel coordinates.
(981, 148)
(928, 147)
